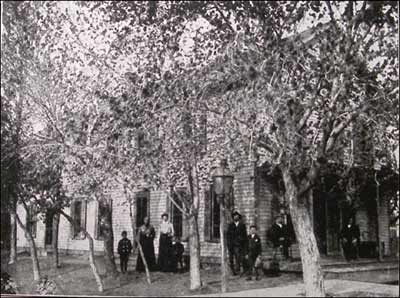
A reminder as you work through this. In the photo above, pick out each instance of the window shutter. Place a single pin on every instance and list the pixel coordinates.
(72, 213)
(31, 220)
(97, 219)
(231, 201)
(168, 207)
(83, 216)
(147, 202)
(34, 226)
(203, 132)
(185, 228)
(27, 219)
(207, 222)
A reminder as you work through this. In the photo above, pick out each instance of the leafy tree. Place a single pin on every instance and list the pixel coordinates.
(16, 44)
(189, 82)
(296, 99)
(28, 89)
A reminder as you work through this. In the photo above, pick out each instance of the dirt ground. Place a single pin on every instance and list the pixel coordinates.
(76, 278)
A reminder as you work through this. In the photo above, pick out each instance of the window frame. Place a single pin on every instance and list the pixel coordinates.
(174, 212)
(214, 227)
(83, 219)
(142, 195)
(107, 204)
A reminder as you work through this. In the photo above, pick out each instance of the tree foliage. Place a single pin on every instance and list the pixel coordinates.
(156, 92)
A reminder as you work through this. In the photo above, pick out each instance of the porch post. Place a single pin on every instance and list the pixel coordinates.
(378, 238)
(311, 204)
(327, 225)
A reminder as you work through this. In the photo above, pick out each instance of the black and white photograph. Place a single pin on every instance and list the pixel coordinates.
(200, 148)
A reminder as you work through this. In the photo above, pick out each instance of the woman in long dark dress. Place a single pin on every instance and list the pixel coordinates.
(165, 253)
(146, 236)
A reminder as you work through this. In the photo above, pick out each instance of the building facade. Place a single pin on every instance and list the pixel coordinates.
(252, 197)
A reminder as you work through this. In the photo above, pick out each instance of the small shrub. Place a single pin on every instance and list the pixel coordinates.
(8, 286)
(46, 286)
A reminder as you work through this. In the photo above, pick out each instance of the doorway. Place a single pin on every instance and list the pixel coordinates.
(333, 226)
(328, 216)
(319, 221)
(142, 209)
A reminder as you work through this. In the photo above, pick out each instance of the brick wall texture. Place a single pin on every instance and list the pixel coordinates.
(252, 198)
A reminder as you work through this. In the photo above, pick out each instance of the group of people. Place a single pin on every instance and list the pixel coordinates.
(245, 249)
(170, 255)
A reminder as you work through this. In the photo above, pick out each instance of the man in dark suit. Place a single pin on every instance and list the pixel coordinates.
(279, 236)
(237, 243)
(254, 251)
(350, 238)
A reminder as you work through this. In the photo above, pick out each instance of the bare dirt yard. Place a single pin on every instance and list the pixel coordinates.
(76, 278)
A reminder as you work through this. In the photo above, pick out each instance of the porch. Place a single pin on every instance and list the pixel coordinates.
(365, 270)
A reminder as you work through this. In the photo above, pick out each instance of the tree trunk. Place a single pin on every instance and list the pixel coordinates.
(194, 250)
(34, 256)
(312, 273)
(109, 259)
(222, 234)
(139, 246)
(91, 252)
(144, 262)
(13, 238)
(56, 224)
(93, 263)
(194, 238)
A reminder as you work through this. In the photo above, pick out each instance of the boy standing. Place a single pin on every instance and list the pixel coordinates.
(254, 252)
(124, 249)
(178, 250)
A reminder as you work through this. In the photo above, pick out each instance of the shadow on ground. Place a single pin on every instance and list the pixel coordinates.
(76, 278)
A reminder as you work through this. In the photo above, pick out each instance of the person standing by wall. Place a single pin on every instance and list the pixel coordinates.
(124, 249)
(237, 243)
(146, 235)
(279, 237)
(350, 238)
(165, 253)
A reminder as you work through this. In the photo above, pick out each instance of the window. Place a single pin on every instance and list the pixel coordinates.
(176, 217)
(214, 216)
(104, 213)
(78, 214)
(141, 207)
(211, 214)
(31, 220)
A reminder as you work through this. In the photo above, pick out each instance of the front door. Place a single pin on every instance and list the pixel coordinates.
(319, 221)
(49, 228)
(332, 226)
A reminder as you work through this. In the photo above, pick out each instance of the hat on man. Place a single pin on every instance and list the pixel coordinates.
(164, 214)
(235, 212)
